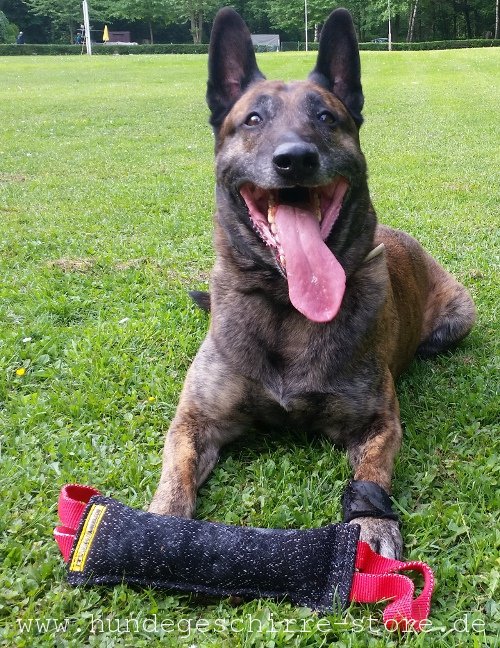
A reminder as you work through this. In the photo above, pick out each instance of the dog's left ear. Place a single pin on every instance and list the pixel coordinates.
(231, 64)
(338, 67)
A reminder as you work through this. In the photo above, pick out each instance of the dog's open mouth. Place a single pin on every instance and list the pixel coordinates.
(296, 222)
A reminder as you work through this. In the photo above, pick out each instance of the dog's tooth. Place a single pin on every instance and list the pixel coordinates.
(271, 208)
(274, 229)
(317, 205)
(282, 260)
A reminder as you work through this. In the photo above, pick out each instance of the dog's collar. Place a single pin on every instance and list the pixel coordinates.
(375, 252)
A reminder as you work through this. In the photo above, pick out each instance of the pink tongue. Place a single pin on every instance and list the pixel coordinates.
(316, 280)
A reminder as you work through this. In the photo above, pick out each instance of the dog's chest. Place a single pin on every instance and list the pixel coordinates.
(317, 402)
(297, 378)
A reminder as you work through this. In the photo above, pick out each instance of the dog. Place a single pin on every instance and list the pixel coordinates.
(315, 309)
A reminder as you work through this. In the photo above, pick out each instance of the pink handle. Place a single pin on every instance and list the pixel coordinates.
(73, 499)
(376, 579)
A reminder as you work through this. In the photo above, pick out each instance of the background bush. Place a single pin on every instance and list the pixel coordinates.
(202, 48)
(51, 50)
(427, 45)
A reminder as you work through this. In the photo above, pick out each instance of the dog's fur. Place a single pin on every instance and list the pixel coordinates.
(264, 362)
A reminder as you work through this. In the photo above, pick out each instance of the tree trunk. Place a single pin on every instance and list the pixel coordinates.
(497, 17)
(411, 22)
(397, 27)
(196, 26)
(151, 33)
(466, 12)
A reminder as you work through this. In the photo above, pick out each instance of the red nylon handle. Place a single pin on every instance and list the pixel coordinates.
(377, 578)
(73, 499)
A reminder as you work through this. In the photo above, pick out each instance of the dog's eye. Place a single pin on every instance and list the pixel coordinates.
(253, 119)
(326, 117)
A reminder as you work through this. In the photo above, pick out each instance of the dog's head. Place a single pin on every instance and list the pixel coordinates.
(289, 164)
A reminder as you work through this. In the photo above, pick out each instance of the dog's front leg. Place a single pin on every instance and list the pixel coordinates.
(190, 452)
(207, 417)
(366, 499)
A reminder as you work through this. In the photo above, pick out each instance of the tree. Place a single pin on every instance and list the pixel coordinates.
(411, 21)
(290, 16)
(372, 18)
(45, 20)
(149, 11)
(195, 11)
(8, 31)
(168, 12)
(63, 13)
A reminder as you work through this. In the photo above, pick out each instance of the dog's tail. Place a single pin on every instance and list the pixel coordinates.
(201, 299)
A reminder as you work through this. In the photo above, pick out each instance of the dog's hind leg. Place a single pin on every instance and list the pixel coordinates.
(449, 312)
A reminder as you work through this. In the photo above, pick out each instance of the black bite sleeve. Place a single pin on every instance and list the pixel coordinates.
(116, 544)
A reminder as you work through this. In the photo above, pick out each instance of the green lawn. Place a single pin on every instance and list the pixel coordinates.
(106, 195)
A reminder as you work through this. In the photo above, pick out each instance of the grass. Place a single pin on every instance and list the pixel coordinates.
(106, 195)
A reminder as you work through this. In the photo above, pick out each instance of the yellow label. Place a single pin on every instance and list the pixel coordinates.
(86, 538)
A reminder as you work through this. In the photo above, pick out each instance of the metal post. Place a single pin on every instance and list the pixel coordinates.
(86, 24)
(305, 20)
(390, 32)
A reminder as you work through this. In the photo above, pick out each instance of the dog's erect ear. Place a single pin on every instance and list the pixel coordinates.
(338, 66)
(231, 64)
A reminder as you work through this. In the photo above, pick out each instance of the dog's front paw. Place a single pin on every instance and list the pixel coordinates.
(382, 535)
(163, 503)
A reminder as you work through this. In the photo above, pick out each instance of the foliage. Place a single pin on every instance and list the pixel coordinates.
(451, 19)
(63, 13)
(149, 11)
(445, 20)
(36, 28)
(289, 16)
(368, 17)
(8, 31)
(196, 11)
(163, 11)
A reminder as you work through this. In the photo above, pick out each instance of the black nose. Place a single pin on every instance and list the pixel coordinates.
(296, 159)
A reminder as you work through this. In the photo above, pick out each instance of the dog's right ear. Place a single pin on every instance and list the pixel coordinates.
(231, 64)
(338, 67)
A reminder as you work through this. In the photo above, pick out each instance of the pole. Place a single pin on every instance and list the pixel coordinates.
(390, 33)
(305, 21)
(86, 24)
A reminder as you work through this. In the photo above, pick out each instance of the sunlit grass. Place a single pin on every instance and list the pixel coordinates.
(106, 197)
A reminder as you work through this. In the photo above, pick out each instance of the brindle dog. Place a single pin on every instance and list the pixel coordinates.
(316, 309)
